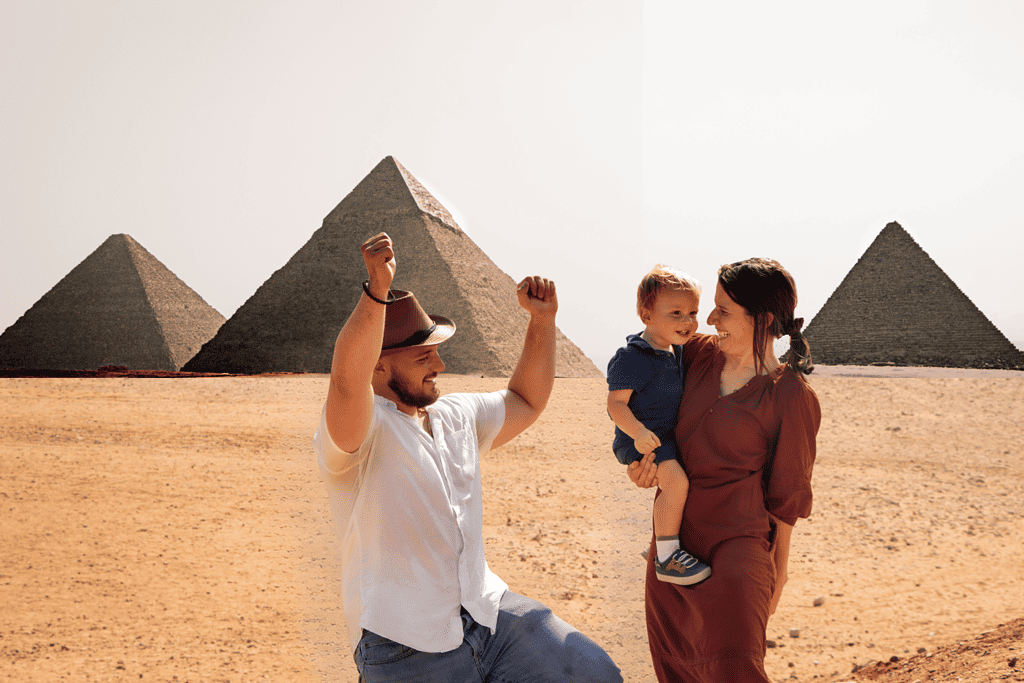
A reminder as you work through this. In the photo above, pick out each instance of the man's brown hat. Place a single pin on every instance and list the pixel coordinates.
(406, 324)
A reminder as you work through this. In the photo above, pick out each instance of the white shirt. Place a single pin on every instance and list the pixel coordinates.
(408, 508)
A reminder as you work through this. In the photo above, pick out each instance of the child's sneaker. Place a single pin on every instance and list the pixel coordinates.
(681, 568)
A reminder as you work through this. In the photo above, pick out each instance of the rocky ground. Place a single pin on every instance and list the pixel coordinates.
(994, 655)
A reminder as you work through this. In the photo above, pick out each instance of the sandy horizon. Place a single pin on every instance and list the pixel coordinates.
(177, 530)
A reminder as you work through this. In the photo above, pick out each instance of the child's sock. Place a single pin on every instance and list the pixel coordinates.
(666, 546)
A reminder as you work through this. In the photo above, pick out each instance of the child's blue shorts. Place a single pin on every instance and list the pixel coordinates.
(666, 451)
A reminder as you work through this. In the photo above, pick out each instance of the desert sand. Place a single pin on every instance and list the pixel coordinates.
(163, 529)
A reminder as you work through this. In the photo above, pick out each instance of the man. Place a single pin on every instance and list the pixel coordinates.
(403, 474)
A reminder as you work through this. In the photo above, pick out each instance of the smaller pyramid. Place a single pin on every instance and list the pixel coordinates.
(897, 307)
(120, 306)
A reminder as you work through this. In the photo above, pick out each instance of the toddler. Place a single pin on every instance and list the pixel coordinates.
(645, 386)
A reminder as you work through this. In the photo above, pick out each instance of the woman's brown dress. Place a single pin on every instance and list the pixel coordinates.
(747, 454)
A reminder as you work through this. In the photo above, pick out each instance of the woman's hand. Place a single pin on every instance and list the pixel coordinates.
(643, 472)
(780, 581)
(783, 534)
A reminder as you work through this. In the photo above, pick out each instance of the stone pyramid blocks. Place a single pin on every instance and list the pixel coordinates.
(896, 306)
(120, 306)
(290, 324)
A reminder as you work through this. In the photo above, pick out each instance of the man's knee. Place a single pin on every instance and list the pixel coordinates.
(591, 664)
(567, 654)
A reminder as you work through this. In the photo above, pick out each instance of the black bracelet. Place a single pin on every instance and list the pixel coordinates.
(366, 288)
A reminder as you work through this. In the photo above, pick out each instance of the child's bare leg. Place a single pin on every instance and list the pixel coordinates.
(668, 508)
(675, 564)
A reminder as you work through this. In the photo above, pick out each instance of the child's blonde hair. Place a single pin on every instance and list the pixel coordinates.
(662, 277)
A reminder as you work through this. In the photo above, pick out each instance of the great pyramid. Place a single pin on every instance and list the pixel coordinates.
(896, 306)
(120, 306)
(290, 324)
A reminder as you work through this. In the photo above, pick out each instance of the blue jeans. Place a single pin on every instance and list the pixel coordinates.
(530, 645)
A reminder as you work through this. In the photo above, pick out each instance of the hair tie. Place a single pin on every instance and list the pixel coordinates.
(794, 326)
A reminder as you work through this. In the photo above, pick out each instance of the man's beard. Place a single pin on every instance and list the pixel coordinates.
(410, 398)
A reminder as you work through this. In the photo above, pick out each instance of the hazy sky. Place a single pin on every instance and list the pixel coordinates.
(583, 140)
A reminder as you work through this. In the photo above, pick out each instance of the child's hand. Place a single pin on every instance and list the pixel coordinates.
(646, 441)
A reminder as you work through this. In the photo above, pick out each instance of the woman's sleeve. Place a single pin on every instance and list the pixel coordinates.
(788, 480)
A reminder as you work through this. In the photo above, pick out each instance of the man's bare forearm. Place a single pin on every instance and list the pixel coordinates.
(532, 380)
(534, 375)
(357, 347)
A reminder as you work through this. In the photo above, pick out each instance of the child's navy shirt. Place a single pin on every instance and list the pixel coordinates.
(656, 378)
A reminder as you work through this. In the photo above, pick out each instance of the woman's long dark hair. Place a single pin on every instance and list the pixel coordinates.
(763, 287)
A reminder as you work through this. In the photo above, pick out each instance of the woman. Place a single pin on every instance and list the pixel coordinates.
(746, 436)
